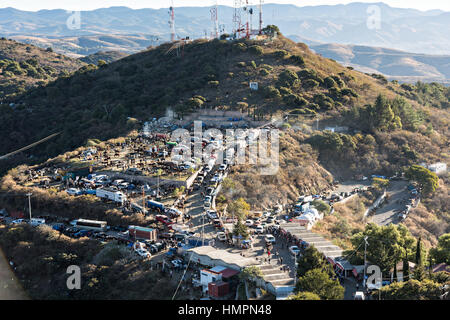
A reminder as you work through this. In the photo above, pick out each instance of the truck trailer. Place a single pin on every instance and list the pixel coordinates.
(111, 194)
(141, 233)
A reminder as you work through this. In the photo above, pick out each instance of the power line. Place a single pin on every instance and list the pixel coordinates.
(29, 146)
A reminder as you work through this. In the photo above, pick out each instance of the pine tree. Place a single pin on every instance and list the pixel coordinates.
(405, 269)
(419, 252)
(395, 274)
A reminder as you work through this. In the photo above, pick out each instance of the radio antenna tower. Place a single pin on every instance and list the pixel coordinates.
(261, 2)
(215, 20)
(172, 22)
(237, 18)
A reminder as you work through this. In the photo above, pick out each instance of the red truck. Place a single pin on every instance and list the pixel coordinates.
(164, 219)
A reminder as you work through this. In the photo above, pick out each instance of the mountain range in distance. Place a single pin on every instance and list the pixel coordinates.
(340, 32)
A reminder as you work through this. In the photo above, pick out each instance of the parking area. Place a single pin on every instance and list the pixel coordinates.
(399, 201)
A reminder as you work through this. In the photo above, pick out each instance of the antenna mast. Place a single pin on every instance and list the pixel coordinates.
(172, 22)
(237, 18)
(261, 2)
(215, 19)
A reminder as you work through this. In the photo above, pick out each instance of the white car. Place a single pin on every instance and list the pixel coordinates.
(211, 214)
(207, 204)
(143, 253)
(221, 236)
(223, 167)
(249, 223)
(177, 263)
(267, 214)
(294, 250)
(73, 191)
(270, 238)
(259, 229)
(18, 221)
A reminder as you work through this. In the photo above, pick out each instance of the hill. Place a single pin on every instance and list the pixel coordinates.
(402, 29)
(24, 66)
(108, 57)
(80, 46)
(389, 126)
(394, 64)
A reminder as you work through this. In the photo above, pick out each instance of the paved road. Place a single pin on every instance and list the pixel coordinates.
(387, 213)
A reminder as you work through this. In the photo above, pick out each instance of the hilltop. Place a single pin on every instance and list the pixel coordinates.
(24, 66)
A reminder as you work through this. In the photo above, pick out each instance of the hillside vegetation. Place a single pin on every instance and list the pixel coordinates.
(24, 66)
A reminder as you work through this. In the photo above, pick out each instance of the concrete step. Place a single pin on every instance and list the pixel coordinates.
(275, 277)
(283, 282)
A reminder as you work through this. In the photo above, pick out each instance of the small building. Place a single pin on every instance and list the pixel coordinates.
(218, 273)
(343, 267)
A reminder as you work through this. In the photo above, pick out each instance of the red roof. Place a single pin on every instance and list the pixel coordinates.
(228, 273)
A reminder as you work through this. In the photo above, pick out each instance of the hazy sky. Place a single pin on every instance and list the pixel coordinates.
(34, 5)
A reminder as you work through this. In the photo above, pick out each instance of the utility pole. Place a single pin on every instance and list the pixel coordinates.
(29, 203)
(365, 254)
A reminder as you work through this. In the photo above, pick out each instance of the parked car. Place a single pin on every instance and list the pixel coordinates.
(259, 229)
(73, 191)
(294, 250)
(143, 253)
(270, 219)
(17, 221)
(270, 238)
(210, 191)
(249, 223)
(177, 263)
(221, 236)
(211, 214)
(223, 167)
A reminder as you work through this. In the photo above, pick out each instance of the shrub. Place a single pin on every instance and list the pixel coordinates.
(310, 84)
(297, 60)
(257, 50)
(281, 54)
(271, 92)
(287, 78)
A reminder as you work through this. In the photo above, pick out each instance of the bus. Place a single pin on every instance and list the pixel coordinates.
(91, 225)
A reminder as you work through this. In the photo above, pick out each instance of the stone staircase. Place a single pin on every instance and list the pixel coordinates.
(279, 282)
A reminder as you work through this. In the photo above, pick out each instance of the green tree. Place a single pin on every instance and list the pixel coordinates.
(304, 296)
(427, 180)
(387, 245)
(239, 208)
(319, 282)
(322, 206)
(441, 253)
(411, 290)
(313, 259)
